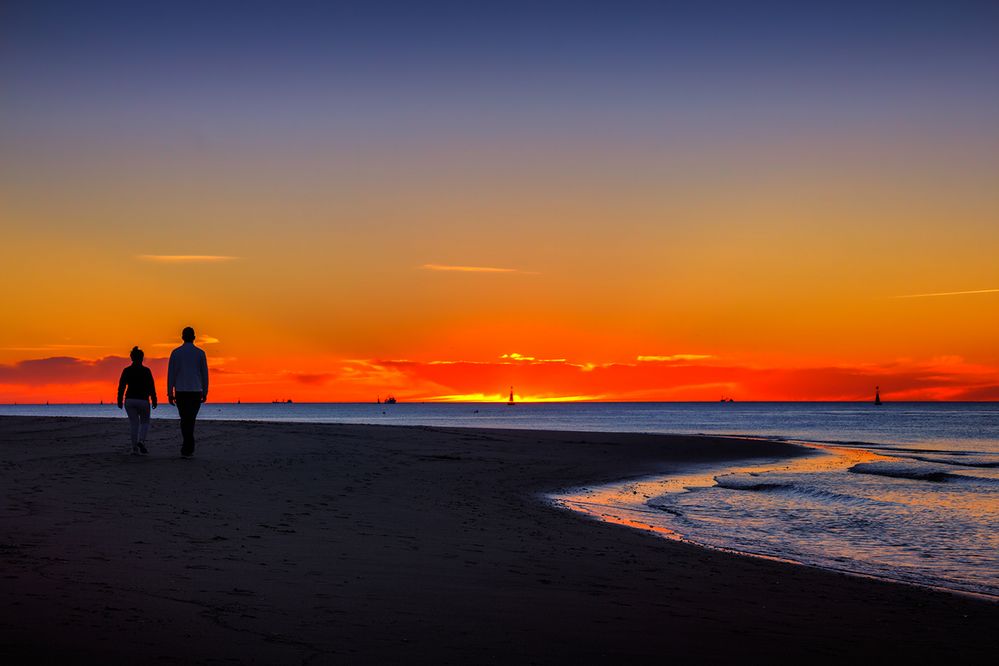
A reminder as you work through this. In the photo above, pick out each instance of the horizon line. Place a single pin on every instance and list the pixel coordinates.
(519, 402)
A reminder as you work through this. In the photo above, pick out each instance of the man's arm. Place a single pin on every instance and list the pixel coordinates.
(171, 376)
(204, 377)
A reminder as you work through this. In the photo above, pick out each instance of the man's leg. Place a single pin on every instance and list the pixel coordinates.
(182, 411)
(188, 405)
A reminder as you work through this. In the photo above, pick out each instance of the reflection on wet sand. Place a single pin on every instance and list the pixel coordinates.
(843, 507)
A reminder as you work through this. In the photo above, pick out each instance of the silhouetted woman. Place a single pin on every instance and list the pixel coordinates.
(141, 391)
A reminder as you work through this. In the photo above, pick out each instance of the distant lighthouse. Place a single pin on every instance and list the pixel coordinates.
(877, 395)
(510, 402)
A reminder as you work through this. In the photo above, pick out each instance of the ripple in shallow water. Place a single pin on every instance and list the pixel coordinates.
(852, 510)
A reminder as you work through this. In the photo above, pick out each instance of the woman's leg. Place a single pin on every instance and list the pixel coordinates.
(143, 421)
(133, 419)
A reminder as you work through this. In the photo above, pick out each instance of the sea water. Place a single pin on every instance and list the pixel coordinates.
(906, 491)
(908, 514)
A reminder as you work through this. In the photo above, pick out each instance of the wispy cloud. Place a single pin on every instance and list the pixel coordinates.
(473, 269)
(672, 358)
(952, 293)
(514, 356)
(67, 370)
(185, 258)
(312, 378)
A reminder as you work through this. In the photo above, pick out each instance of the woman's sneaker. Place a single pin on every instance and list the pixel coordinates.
(141, 448)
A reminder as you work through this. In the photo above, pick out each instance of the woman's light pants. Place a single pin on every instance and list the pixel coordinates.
(138, 418)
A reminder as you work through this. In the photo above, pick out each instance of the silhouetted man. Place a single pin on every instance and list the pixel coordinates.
(187, 386)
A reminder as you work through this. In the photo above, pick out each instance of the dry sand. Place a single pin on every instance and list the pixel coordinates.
(302, 543)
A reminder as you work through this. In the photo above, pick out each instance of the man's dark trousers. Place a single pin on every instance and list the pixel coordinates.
(188, 405)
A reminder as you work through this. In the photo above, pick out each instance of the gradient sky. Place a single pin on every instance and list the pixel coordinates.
(614, 200)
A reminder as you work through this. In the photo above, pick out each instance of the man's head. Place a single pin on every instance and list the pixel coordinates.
(187, 335)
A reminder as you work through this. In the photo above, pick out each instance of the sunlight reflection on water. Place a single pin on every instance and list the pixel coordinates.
(905, 522)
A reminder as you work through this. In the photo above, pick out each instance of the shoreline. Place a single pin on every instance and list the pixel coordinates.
(289, 542)
(581, 500)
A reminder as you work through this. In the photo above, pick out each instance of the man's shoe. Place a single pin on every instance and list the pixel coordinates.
(142, 448)
(135, 449)
(187, 456)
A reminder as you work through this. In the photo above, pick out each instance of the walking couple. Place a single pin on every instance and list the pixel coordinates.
(187, 388)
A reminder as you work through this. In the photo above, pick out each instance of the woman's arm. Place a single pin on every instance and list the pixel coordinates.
(152, 387)
(121, 387)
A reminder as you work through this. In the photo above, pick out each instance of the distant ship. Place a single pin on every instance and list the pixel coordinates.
(510, 402)
(390, 400)
(877, 395)
(281, 402)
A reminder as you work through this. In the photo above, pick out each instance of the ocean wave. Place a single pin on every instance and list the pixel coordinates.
(962, 457)
(919, 471)
(666, 508)
(733, 482)
(753, 483)
(982, 461)
(916, 471)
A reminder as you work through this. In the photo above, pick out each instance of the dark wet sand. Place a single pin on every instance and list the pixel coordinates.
(300, 543)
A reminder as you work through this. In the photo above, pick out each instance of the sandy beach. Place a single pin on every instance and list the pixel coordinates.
(304, 543)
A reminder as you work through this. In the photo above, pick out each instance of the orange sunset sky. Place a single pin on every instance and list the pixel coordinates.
(440, 219)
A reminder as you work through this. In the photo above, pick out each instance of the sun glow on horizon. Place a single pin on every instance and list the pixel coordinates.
(71, 378)
(501, 398)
